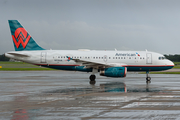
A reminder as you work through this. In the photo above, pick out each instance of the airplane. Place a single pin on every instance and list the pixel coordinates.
(107, 63)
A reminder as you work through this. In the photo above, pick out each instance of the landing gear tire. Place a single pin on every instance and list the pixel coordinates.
(92, 79)
(148, 80)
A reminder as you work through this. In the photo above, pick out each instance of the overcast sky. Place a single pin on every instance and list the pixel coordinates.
(95, 24)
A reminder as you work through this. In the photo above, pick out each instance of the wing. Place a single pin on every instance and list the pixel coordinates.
(98, 65)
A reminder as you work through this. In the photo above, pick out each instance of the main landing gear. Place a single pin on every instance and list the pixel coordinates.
(92, 79)
(148, 78)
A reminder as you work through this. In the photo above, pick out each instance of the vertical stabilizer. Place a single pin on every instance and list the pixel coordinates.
(21, 39)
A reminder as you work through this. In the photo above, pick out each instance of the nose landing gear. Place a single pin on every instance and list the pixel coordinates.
(148, 78)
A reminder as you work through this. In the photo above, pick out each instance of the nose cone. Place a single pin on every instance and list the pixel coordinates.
(171, 63)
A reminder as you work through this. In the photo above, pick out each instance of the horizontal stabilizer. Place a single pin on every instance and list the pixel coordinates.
(19, 54)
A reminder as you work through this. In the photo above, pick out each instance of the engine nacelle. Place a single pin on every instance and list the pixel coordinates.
(114, 72)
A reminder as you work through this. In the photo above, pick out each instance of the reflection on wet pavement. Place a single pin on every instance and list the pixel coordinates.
(68, 95)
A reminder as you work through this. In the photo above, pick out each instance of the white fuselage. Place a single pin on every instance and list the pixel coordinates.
(65, 59)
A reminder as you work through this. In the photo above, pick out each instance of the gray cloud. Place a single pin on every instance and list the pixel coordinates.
(95, 24)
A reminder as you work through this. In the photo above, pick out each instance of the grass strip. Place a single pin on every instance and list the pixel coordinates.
(161, 73)
(25, 69)
(2, 62)
(177, 67)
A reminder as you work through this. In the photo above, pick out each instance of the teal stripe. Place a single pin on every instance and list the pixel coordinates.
(81, 68)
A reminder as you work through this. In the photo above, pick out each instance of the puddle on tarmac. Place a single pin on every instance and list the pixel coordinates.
(119, 87)
(151, 104)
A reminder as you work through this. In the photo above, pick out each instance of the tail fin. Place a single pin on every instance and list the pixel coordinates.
(21, 39)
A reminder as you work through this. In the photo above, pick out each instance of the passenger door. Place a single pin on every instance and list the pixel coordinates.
(148, 58)
(43, 57)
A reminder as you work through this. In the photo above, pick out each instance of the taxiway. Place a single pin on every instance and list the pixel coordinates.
(68, 95)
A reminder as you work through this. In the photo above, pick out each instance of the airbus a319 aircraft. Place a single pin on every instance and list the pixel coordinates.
(107, 63)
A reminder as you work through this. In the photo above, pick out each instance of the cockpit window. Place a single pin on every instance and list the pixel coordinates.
(162, 58)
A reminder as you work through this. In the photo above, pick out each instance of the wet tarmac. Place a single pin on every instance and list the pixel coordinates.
(54, 95)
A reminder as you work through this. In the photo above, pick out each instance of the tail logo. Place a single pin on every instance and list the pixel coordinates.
(21, 37)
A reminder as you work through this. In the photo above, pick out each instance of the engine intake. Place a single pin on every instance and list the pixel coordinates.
(114, 72)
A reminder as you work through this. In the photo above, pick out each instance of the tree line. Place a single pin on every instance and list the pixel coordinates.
(3, 58)
(174, 58)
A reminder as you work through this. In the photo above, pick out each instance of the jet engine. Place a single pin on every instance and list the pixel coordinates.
(114, 72)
